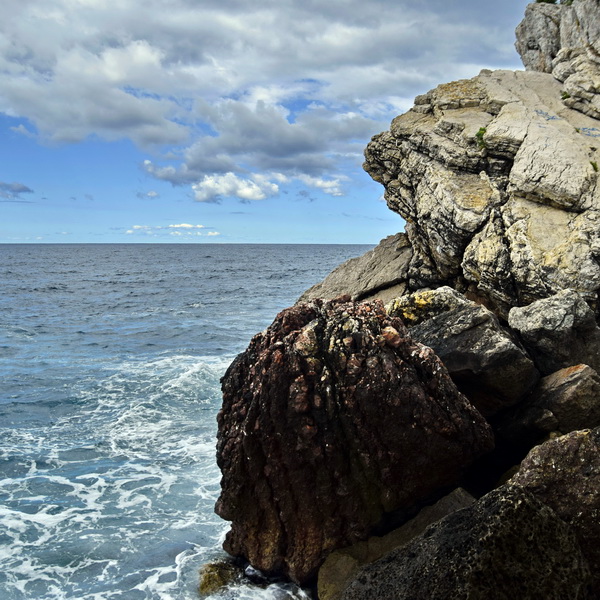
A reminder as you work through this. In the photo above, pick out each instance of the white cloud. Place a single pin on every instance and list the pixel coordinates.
(214, 187)
(185, 226)
(217, 97)
(333, 187)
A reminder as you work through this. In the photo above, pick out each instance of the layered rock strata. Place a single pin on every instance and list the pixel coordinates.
(497, 181)
(332, 418)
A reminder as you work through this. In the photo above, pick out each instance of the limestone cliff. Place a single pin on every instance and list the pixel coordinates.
(497, 176)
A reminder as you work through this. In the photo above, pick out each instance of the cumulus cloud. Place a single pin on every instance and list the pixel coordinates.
(220, 102)
(214, 187)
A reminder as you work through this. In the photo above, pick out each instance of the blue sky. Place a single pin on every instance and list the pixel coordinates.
(218, 121)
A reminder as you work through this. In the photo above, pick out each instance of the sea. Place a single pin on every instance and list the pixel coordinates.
(110, 361)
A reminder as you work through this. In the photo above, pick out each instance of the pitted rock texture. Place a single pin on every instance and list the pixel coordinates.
(564, 40)
(380, 273)
(484, 359)
(332, 417)
(498, 183)
(558, 332)
(564, 474)
(508, 545)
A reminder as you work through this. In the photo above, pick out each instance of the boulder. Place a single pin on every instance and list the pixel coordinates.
(564, 401)
(564, 473)
(380, 273)
(485, 361)
(341, 566)
(558, 332)
(217, 575)
(508, 545)
(332, 418)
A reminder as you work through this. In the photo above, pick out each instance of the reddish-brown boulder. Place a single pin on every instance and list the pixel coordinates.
(331, 418)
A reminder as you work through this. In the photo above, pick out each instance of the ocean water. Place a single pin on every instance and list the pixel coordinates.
(110, 360)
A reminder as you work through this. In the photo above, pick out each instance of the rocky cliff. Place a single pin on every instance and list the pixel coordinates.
(338, 424)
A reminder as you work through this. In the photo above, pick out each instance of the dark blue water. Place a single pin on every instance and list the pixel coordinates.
(110, 359)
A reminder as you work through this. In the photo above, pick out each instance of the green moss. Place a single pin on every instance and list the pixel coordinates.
(479, 136)
(565, 95)
(594, 165)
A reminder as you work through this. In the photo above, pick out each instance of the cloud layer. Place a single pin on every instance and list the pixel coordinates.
(236, 99)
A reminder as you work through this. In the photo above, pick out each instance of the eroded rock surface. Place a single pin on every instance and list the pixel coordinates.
(558, 332)
(331, 418)
(497, 181)
(565, 40)
(564, 474)
(507, 545)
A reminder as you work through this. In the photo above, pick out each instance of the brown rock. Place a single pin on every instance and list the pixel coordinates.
(564, 473)
(509, 545)
(326, 426)
(341, 566)
(565, 401)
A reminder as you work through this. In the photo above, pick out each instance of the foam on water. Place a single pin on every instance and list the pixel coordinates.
(110, 359)
(97, 485)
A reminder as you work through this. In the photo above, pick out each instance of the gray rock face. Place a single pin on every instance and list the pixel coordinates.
(558, 332)
(331, 418)
(506, 546)
(564, 474)
(483, 359)
(565, 40)
(380, 273)
(497, 181)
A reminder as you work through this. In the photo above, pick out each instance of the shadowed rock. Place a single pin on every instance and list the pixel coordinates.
(564, 401)
(333, 417)
(509, 545)
(564, 473)
(483, 359)
(341, 566)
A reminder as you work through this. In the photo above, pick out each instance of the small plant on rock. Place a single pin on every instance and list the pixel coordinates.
(565, 95)
(594, 165)
(479, 135)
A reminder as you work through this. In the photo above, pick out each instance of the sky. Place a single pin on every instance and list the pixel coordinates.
(222, 121)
